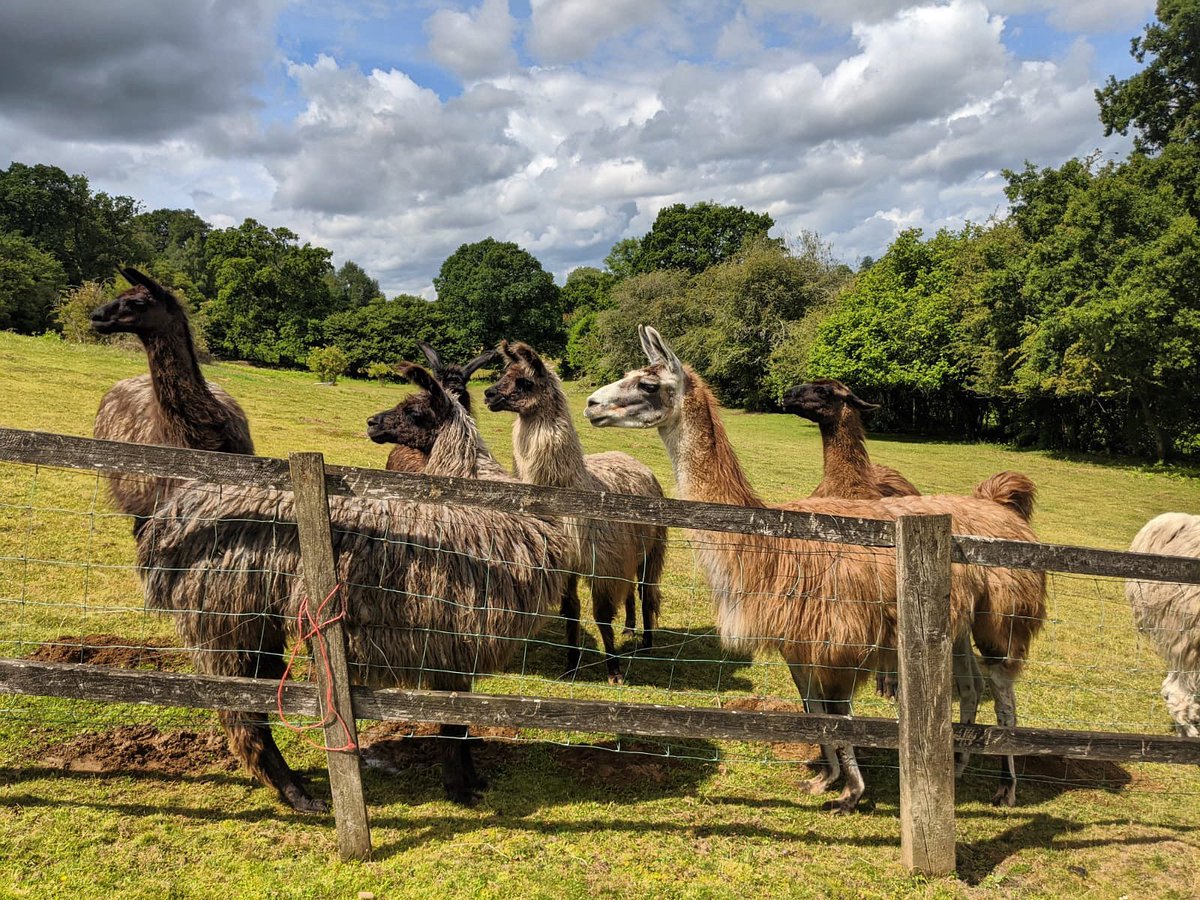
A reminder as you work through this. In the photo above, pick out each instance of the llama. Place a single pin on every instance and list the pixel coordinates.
(830, 610)
(433, 594)
(849, 471)
(416, 422)
(173, 405)
(1169, 615)
(413, 416)
(614, 556)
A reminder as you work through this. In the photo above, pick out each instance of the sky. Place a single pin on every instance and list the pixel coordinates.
(392, 133)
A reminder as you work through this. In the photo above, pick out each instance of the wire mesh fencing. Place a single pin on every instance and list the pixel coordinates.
(451, 597)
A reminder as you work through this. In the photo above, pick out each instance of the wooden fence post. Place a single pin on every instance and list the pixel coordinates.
(320, 579)
(926, 732)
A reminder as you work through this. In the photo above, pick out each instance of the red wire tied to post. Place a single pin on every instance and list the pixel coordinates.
(311, 630)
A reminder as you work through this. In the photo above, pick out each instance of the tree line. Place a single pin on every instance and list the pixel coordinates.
(1072, 322)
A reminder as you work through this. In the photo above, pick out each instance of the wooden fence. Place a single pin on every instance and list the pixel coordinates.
(923, 733)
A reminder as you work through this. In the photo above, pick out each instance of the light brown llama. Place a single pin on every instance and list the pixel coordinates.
(173, 405)
(830, 610)
(413, 416)
(434, 594)
(614, 556)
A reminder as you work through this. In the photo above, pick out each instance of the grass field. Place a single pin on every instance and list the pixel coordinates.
(562, 819)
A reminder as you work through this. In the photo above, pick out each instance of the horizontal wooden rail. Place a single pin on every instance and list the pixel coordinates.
(68, 452)
(84, 682)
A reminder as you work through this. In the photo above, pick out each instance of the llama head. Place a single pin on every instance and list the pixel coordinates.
(454, 377)
(146, 308)
(523, 384)
(649, 397)
(418, 419)
(823, 401)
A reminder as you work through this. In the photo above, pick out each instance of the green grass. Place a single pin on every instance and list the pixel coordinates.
(713, 819)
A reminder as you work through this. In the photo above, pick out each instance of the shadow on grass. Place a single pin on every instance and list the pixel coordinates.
(690, 659)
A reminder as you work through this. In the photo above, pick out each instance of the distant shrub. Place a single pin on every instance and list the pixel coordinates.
(380, 371)
(74, 312)
(328, 363)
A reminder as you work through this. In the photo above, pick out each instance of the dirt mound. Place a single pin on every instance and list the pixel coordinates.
(393, 747)
(112, 650)
(801, 752)
(142, 748)
(1072, 772)
(626, 763)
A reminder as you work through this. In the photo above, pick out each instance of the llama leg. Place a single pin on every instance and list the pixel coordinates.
(249, 735)
(1006, 716)
(805, 684)
(458, 768)
(854, 787)
(968, 682)
(570, 616)
(604, 611)
(1183, 704)
(251, 741)
(630, 614)
(651, 603)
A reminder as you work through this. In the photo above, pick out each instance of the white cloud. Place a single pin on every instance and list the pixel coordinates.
(476, 43)
(563, 31)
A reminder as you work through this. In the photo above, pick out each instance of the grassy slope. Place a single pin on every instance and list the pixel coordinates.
(728, 822)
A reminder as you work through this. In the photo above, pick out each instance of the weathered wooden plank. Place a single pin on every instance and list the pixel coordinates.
(337, 711)
(65, 451)
(926, 736)
(97, 683)
(984, 551)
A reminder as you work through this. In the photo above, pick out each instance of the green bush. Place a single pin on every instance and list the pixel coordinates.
(380, 371)
(328, 363)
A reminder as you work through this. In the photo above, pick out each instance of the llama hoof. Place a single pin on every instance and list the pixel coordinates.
(628, 631)
(960, 763)
(817, 785)
(302, 802)
(463, 796)
(1006, 795)
(843, 806)
(479, 784)
(616, 678)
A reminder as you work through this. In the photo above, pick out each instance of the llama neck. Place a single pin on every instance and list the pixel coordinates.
(546, 446)
(190, 411)
(706, 468)
(847, 463)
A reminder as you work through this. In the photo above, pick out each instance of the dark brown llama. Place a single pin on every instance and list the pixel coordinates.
(412, 451)
(173, 405)
(849, 471)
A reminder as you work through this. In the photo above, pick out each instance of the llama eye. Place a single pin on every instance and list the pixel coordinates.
(648, 387)
(524, 384)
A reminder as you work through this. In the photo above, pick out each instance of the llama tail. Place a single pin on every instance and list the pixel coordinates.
(1011, 489)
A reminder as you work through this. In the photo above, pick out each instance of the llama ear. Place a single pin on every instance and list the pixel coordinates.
(858, 403)
(435, 361)
(134, 277)
(419, 376)
(505, 349)
(483, 359)
(657, 350)
(529, 356)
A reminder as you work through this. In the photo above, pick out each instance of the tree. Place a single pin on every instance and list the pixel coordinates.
(622, 258)
(271, 294)
(351, 286)
(30, 282)
(588, 291)
(176, 238)
(88, 234)
(692, 238)
(1162, 101)
(387, 331)
(494, 290)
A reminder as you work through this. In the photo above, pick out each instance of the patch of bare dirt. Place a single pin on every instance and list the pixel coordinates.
(142, 748)
(635, 765)
(393, 747)
(112, 650)
(798, 752)
(1080, 773)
